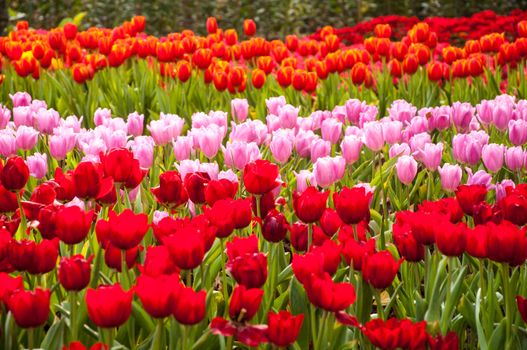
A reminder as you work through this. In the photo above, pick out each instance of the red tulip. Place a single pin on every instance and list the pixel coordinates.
(406, 243)
(109, 305)
(379, 269)
(120, 164)
(158, 262)
(74, 272)
(448, 342)
(171, 191)
(125, 230)
(65, 185)
(353, 204)
(72, 224)
(275, 226)
(46, 221)
(76, 345)
(514, 207)
(195, 184)
(260, 177)
(298, 236)
(221, 215)
(310, 204)
(330, 252)
(249, 270)
(219, 189)
(88, 181)
(30, 309)
(451, 238)
(113, 257)
(356, 251)
(44, 257)
(469, 196)
(212, 25)
(522, 307)
(383, 334)
(477, 241)
(244, 303)
(506, 243)
(240, 246)
(14, 174)
(186, 248)
(8, 200)
(189, 306)
(157, 294)
(249, 27)
(330, 222)
(306, 265)
(8, 285)
(241, 212)
(328, 295)
(44, 194)
(5, 241)
(283, 328)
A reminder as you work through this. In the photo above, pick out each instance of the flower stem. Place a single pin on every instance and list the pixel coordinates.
(224, 275)
(378, 301)
(125, 277)
(31, 338)
(73, 315)
(309, 236)
(159, 339)
(507, 298)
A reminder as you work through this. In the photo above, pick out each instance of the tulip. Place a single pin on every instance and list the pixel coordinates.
(451, 238)
(319, 149)
(514, 158)
(450, 176)
(74, 272)
(353, 205)
(47, 120)
(242, 246)
(239, 109)
(275, 103)
(431, 155)
(125, 230)
(244, 303)
(406, 168)
(331, 130)
(20, 99)
(323, 293)
(249, 270)
(26, 137)
(38, 165)
(492, 155)
(61, 144)
(330, 222)
(328, 170)
(518, 132)
(14, 174)
(275, 226)
(216, 190)
(134, 124)
(521, 302)
(195, 184)
(281, 145)
(171, 190)
(238, 154)
(120, 164)
(379, 269)
(72, 224)
(186, 248)
(8, 285)
(402, 149)
(351, 148)
(406, 243)
(189, 306)
(157, 294)
(391, 131)
(401, 111)
(30, 309)
(310, 204)
(506, 243)
(462, 114)
(304, 142)
(373, 136)
(113, 256)
(283, 328)
(469, 196)
(109, 305)
(260, 177)
(7, 143)
(304, 179)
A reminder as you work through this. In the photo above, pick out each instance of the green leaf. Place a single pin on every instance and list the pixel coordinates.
(54, 336)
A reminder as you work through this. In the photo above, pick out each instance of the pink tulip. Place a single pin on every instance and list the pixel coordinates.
(143, 150)
(288, 115)
(237, 154)
(46, 120)
(518, 132)
(462, 114)
(402, 111)
(228, 175)
(20, 99)
(354, 108)
(134, 124)
(166, 129)
(514, 158)
(182, 147)
(7, 143)
(328, 170)
(351, 148)
(450, 176)
(23, 115)
(331, 130)
(492, 155)
(38, 165)
(441, 118)
(303, 142)
(101, 115)
(480, 177)
(391, 131)
(373, 136)
(73, 122)
(430, 155)
(5, 116)
(419, 141)
(249, 131)
(501, 188)
(209, 139)
(273, 123)
(239, 109)
(275, 103)
(304, 179)
(281, 145)
(61, 143)
(319, 148)
(406, 168)
(26, 137)
(397, 149)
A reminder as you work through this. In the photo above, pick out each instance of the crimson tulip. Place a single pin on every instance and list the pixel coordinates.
(469, 196)
(74, 272)
(323, 293)
(260, 177)
(109, 305)
(275, 226)
(310, 204)
(125, 230)
(451, 238)
(120, 164)
(72, 224)
(171, 191)
(30, 309)
(379, 269)
(244, 303)
(355, 252)
(195, 184)
(186, 248)
(353, 204)
(14, 174)
(240, 246)
(249, 270)
(8, 285)
(113, 257)
(283, 327)
(219, 189)
(157, 294)
(189, 306)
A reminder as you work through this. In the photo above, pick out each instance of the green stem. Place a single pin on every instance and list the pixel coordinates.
(73, 315)
(224, 275)
(309, 236)
(125, 274)
(378, 301)
(230, 341)
(507, 298)
(21, 231)
(184, 337)
(321, 331)
(159, 338)
(31, 338)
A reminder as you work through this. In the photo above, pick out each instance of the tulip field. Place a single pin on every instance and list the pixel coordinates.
(356, 188)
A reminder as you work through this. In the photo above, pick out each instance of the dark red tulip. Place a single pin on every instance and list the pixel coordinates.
(44, 257)
(306, 265)
(244, 303)
(521, 302)
(328, 295)
(186, 248)
(298, 236)
(195, 184)
(74, 272)
(157, 294)
(14, 174)
(310, 204)
(76, 345)
(477, 241)
(30, 309)
(46, 221)
(219, 189)
(330, 252)
(260, 177)
(267, 203)
(113, 257)
(469, 196)
(20, 254)
(514, 207)
(383, 334)
(189, 307)
(506, 243)
(451, 238)
(8, 285)
(44, 194)
(275, 226)
(72, 224)
(353, 204)
(354, 252)
(249, 270)
(413, 335)
(283, 327)
(8, 200)
(5, 241)
(125, 230)
(109, 305)
(120, 164)
(379, 269)
(330, 222)
(171, 191)
(448, 342)
(222, 216)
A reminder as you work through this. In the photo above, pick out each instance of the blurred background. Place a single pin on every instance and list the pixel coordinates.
(274, 18)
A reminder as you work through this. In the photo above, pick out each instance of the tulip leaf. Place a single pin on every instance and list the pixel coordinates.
(482, 340)
(54, 336)
(498, 340)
